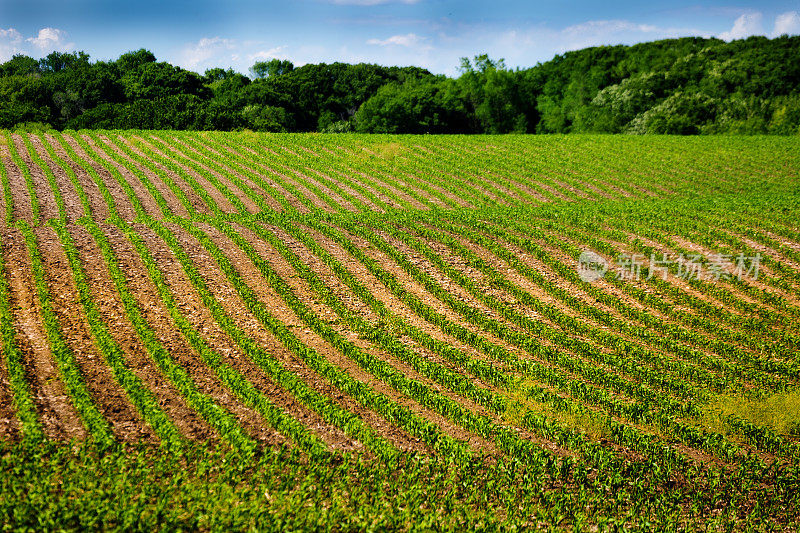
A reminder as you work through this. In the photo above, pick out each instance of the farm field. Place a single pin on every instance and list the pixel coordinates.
(264, 331)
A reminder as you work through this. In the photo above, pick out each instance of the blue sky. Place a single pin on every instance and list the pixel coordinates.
(434, 34)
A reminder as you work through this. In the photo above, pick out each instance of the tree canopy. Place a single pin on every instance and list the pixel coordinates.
(681, 86)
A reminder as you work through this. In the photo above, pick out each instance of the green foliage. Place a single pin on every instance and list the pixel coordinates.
(273, 67)
(427, 286)
(682, 86)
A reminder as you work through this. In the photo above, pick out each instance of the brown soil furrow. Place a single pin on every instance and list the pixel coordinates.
(97, 206)
(9, 423)
(268, 174)
(200, 317)
(5, 155)
(488, 186)
(477, 183)
(59, 418)
(377, 192)
(540, 294)
(277, 176)
(486, 287)
(72, 202)
(188, 301)
(643, 284)
(196, 157)
(784, 240)
(121, 201)
(775, 254)
(109, 304)
(349, 190)
(305, 191)
(706, 253)
(552, 190)
(372, 179)
(583, 182)
(411, 285)
(309, 298)
(523, 186)
(517, 279)
(280, 310)
(684, 285)
(106, 148)
(48, 208)
(604, 283)
(422, 263)
(350, 300)
(158, 317)
(347, 205)
(107, 394)
(617, 292)
(142, 194)
(187, 174)
(22, 209)
(197, 203)
(401, 178)
(268, 198)
(553, 277)
(381, 293)
(791, 297)
(318, 202)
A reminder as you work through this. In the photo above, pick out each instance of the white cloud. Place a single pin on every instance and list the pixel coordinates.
(207, 50)
(746, 25)
(787, 23)
(407, 40)
(10, 41)
(10, 36)
(608, 27)
(273, 53)
(50, 39)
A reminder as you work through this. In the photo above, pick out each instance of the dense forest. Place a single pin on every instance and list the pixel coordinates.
(679, 86)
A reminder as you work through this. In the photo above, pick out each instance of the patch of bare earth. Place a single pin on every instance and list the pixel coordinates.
(131, 168)
(187, 174)
(157, 316)
(237, 311)
(121, 201)
(58, 416)
(164, 175)
(9, 423)
(201, 319)
(22, 208)
(110, 307)
(97, 205)
(44, 193)
(107, 394)
(225, 160)
(72, 203)
(280, 310)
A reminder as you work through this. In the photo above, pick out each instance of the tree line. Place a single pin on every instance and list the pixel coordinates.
(674, 86)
